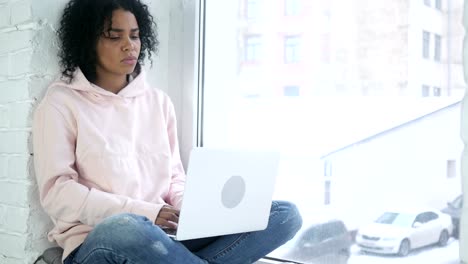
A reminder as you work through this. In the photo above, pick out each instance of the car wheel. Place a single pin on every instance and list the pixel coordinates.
(443, 238)
(405, 248)
(456, 233)
(345, 253)
(456, 228)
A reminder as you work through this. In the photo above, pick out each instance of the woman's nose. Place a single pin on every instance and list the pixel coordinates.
(128, 45)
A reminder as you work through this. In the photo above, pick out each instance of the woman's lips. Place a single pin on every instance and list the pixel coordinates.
(129, 61)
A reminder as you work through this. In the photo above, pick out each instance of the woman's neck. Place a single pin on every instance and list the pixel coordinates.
(112, 84)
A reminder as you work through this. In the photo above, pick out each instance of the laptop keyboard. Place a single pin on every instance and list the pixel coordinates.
(171, 232)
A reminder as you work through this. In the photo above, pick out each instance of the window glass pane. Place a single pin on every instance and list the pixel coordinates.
(326, 49)
(437, 91)
(365, 130)
(291, 49)
(252, 8)
(451, 169)
(291, 91)
(425, 91)
(252, 48)
(426, 43)
(437, 47)
(291, 7)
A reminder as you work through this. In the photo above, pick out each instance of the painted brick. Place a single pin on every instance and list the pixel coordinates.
(4, 15)
(4, 62)
(2, 216)
(18, 168)
(12, 91)
(13, 246)
(15, 219)
(8, 260)
(14, 142)
(21, 12)
(38, 86)
(14, 194)
(4, 118)
(20, 114)
(19, 63)
(3, 166)
(15, 40)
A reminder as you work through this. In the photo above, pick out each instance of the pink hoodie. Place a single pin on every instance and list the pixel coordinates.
(97, 154)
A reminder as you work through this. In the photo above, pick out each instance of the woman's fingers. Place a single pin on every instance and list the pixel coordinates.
(163, 223)
(168, 217)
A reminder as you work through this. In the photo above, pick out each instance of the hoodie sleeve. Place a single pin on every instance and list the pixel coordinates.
(61, 194)
(176, 189)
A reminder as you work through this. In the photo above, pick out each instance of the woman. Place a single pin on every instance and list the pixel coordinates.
(106, 151)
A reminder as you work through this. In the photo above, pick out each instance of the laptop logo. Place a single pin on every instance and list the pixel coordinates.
(233, 192)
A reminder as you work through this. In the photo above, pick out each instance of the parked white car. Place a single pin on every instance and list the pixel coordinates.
(398, 232)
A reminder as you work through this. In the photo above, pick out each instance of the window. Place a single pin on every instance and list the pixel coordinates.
(358, 142)
(327, 168)
(291, 91)
(326, 12)
(291, 49)
(252, 9)
(426, 217)
(326, 49)
(451, 168)
(438, 4)
(425, 90)
(427, 2)
(426, 43)
(291, 7)
(437, 47)
(252, 48)
(327, 193)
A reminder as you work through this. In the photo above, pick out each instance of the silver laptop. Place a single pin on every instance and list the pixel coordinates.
(226, 192)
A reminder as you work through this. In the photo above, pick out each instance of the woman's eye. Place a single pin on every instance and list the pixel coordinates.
(135, 37)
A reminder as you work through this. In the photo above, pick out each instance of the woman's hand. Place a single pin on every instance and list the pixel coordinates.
(168, 217)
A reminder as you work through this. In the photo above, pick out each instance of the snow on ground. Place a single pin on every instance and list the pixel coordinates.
(427, 255)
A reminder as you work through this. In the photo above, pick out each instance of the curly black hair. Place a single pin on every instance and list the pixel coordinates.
(82, 24)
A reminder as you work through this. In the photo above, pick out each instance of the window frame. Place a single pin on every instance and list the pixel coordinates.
(190, 102)
(292, 49)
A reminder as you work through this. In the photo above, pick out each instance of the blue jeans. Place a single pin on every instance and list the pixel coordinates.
(133, 239)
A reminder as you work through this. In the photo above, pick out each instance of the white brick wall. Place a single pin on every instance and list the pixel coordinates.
(23, 50)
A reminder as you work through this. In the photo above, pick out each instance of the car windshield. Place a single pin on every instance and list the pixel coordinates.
(403, 220)
(458, 203)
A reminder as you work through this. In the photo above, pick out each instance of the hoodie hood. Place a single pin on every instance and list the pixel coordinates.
(136, 87)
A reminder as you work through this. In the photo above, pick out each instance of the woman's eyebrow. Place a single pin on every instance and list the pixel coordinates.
(121, 30)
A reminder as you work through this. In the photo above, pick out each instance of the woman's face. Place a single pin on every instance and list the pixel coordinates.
(118, 48)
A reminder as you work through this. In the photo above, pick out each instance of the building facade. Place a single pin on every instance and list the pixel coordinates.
(358, 47)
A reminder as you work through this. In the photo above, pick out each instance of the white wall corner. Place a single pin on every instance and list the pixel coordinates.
(464, 134)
